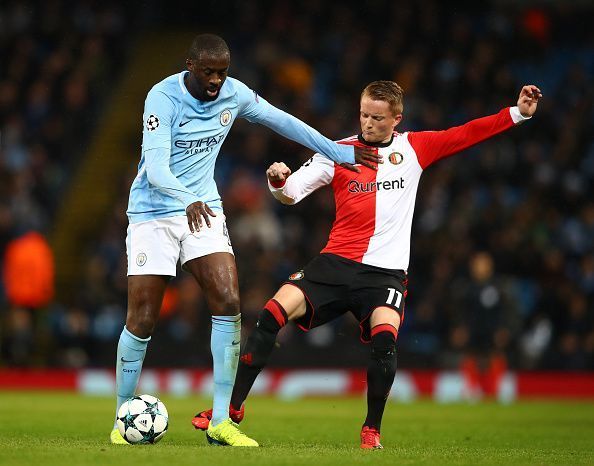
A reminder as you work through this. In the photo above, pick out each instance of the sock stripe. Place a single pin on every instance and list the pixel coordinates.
(227, 319)
(277, 311)
(384, 328)
(134, 337)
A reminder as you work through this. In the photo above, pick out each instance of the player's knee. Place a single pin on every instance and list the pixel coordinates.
(273, 317)
(261, 342)
(383, 343)
(141, 324)
(227, 305)
(384, 352)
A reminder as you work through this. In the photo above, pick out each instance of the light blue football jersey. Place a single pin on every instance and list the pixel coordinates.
(182, 137)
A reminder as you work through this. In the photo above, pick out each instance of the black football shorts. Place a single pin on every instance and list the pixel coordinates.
(333, 285)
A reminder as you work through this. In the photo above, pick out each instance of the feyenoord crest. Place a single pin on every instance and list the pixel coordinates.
(141, 259)
(152, 123)
(395, 158)
(297, 275)
(225, 117)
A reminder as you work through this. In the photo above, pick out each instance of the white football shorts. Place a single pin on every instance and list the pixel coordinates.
(154, 247)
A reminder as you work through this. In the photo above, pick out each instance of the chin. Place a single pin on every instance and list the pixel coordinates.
(371, 138)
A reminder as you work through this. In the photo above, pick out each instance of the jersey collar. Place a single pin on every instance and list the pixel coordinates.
(375, 144)
(182, 84)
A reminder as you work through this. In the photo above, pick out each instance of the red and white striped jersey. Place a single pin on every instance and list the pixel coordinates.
(374, 209)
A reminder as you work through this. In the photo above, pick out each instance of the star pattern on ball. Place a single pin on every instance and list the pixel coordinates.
(152, 123)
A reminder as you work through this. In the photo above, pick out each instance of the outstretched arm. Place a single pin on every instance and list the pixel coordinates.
(431, 146)
(256, 109)
(292, 128)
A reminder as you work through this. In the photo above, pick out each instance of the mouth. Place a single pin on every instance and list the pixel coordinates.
(212, 92)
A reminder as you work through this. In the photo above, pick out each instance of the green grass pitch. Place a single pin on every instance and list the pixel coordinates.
(67, 429)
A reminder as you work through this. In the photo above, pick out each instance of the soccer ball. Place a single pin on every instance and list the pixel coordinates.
(143, 419)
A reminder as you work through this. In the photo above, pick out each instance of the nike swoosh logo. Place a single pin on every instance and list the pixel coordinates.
(183, 123)
(235, 343)
(126, 360)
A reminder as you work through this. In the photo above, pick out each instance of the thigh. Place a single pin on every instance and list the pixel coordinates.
(323, 303)
(217, 276)
(379, 305)
(207, 241)
(153, 247)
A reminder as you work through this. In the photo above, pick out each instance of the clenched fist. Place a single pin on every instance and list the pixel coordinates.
(278, 171)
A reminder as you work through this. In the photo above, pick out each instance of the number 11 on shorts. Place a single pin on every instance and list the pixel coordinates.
(391, 293)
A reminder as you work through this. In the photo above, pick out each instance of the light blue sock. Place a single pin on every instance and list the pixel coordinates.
(224, 346)
(131, 351)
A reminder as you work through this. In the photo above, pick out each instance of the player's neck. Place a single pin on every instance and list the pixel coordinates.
(191, 86)
(385, 143)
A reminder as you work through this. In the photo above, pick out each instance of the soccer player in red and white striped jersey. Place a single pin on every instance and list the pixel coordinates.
(363, 267)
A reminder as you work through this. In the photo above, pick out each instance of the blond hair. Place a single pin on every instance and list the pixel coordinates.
(387, 91)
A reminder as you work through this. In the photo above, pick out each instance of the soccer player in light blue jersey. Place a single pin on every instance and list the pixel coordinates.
(175, 213)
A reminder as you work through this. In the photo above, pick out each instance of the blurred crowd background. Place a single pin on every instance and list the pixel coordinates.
(502, 265)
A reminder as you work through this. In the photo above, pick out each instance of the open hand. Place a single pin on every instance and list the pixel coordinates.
(196, 212)
(528, 100)
(366, 156)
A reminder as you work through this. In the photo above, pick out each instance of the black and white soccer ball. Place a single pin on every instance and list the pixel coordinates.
(143, 419)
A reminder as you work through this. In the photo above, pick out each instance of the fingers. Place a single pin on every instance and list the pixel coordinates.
(209, 210)
(206, 219)
(205, 212)
(531, 92)
(194, 220)
(369, 164)
(196, 212)
(350, 167)
(363, 155)
(278, 171)
(374, 158)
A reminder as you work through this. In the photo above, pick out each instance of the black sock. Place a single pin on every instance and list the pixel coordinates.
(380, 373)
(257, 350)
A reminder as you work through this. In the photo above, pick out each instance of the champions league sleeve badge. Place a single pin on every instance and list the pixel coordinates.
(152, 123)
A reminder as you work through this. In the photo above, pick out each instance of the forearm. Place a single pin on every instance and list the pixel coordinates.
(159, 175)
(277, 189)
(292, 128)
(431, 146)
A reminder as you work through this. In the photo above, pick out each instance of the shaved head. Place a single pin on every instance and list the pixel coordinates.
(208, 44)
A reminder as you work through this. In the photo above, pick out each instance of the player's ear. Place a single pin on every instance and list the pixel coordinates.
(189, 64)
(397, 119)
